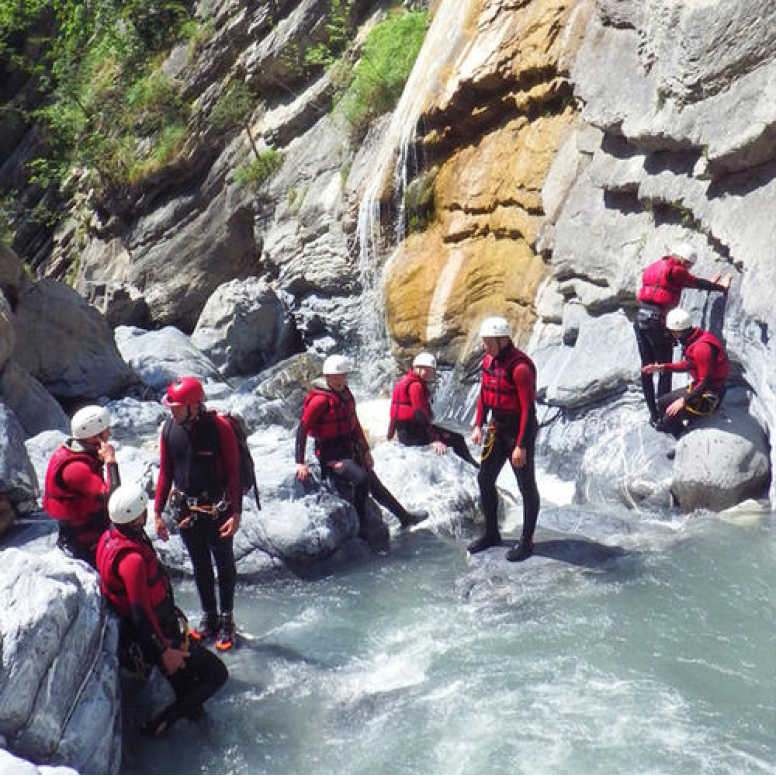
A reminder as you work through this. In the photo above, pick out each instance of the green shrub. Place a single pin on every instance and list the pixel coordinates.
(253, 174)
(379, 77)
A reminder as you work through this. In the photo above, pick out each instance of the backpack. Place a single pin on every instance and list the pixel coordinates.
(247, 466)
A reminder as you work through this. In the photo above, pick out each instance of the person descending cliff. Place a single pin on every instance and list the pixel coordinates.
(136, 585)
(329, 416)
(411, 412)
(507, 394)
(76, 492)
(662, 283)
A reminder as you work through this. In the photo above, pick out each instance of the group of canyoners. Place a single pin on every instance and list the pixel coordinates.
(103, 522)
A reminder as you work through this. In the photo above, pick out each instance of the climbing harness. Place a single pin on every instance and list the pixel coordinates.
(706, 404)
(489, 443)
(188, 509)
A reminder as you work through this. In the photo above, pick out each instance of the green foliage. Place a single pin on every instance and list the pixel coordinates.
(259, 169)
(379, 77)
(234, 107)
(103, 99)
(339, 30)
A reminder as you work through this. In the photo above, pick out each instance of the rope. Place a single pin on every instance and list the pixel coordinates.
(82, 687)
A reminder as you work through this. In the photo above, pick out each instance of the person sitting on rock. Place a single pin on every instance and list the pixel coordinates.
(706, 361)
(329, 416)
(411, 412)
(137, 586)
(76, 492)
(661, 290)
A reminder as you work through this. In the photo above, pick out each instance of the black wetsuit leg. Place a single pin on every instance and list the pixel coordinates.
(223, 555)
(655, 347)
(490, 467)
(201, 675)
(196, 537)
(671, 425)
(363, 483)
(458, 444)
(526, 480)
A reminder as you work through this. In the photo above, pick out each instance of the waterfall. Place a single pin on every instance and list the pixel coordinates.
(442, 44)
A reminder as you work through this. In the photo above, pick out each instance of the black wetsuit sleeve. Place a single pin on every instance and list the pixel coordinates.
(301, 442)
(707, 285)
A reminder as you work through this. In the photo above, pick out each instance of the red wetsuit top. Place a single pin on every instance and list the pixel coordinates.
(706, 361)
(411, 403)
(662, 283)
(76, 494)
(136, 584)
(508, 388)
(330, 418)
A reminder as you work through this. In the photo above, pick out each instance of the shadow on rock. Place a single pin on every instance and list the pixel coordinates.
(578, 552)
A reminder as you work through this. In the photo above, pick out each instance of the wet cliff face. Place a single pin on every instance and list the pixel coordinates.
(489, 134)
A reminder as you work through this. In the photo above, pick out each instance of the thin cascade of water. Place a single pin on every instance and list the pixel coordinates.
(396, 149)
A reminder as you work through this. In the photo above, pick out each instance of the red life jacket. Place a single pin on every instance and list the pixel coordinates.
(401, 405)
(340, 418)
(84, 517)
(499, 392)
(656, 286)
(721, 367)
(112, 547)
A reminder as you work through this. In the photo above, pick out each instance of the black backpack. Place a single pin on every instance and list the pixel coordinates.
(247, 466)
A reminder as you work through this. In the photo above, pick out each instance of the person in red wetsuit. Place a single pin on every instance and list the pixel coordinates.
(329, 416)
(136, 585)
(661, 290)
(76, 491)
(508, 393)
(706, 361)
(411, 413)
(199, 456)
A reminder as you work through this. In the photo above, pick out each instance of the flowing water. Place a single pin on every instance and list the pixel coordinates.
(661, 658)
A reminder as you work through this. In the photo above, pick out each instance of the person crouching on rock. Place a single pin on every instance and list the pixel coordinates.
(411, 412)
(329, 416)
(137, 587)
(706, 361)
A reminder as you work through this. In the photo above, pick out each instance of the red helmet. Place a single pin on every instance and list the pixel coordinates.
(185, 391)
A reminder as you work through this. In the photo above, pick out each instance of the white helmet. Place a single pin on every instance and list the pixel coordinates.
(678, 320)
(424, 359)
(127, 503)
(687, 252)
(495, 327)
(336, 365)
(89, 421)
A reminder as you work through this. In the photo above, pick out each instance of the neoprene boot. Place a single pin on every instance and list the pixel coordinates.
(488, 539)
(522, 549)
(407, 518)
(225, 639)
(206, 629)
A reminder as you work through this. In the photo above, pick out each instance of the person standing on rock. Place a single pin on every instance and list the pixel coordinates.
(507, 394)
(76, 492)
(411, 412)
(199, 456)
(661, 290)
(329, 416)
(706, 361)
(135, 583)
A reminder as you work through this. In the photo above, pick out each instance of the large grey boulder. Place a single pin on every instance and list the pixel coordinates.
(35, 408)
(68, 345)
(159, 357)
(244, 327)
(18, 480)
(59, 690)
(7, 333)
(721, 461)
(15, 766)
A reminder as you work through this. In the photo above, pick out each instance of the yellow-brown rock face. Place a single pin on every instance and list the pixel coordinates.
(493, 132)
